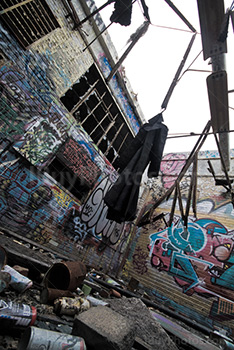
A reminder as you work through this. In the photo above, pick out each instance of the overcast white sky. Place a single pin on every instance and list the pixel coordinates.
(154, 60)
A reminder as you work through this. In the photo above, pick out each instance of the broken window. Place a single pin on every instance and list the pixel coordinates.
(28, 20)
(74, 169)
(92, 105)
(63, 175)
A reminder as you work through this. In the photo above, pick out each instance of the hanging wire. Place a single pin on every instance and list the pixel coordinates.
(191, 65)
(191, 134)
(172, 28)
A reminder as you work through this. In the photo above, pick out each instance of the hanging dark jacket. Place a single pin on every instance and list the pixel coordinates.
(146, 148)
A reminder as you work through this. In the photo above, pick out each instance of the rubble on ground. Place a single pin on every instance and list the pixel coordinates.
(79, 307)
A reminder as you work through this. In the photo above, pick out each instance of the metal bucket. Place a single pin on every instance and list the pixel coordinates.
(48, 295)
(67, 275)
(37, 339)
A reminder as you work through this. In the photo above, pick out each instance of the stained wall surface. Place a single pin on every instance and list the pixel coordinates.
(35, 128)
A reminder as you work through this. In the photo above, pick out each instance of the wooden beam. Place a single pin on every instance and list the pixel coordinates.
(173, 208)
(194, 201)
(180, 201)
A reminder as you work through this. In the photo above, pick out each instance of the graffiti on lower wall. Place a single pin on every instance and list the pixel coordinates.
(196, 262)
(34, 206)
(139, 261)
(200, 258)
(23, 200)
(94, 212)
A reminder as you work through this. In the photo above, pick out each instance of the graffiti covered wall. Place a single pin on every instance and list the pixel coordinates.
(35, 128)
(189, 269)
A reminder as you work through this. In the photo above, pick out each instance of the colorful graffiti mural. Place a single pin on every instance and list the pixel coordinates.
(200, 258)
(34, 206)
(23, 200)
(37, 127)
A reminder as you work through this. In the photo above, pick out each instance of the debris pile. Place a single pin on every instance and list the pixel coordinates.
(71, 305)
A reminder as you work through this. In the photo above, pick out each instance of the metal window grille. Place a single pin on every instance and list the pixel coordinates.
(94, 108)
(28, 20)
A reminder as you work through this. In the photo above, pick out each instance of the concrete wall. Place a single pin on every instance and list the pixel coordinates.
(34, 125)
(190, 272)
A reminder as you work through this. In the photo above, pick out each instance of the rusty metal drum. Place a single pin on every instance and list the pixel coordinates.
(65, 275)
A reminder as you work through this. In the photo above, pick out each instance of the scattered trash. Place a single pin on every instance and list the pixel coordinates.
(60, 295)
(115, 293)
(95, 302)
(22, 270)
(133, 284)
(86, 289)
(13, 315)
(5, 279)
(18, 281)
(38, 338)
(70, 306)
(111, 281)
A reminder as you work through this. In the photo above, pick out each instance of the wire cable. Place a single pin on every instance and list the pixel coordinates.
(191, 134)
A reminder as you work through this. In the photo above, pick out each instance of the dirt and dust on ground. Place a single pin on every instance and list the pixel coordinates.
(43, 288)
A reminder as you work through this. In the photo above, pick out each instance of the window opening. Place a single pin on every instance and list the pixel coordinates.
(28, 20)
(63, 175)
(93, 106)
(74, 169)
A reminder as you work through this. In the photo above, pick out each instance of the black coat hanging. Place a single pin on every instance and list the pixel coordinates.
(146, 148)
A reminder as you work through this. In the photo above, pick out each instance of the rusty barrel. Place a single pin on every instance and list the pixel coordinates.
(48, 295)
(65, 275)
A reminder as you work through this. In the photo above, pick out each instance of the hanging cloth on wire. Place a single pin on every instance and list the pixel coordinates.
(146, 149)
(122, 12)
